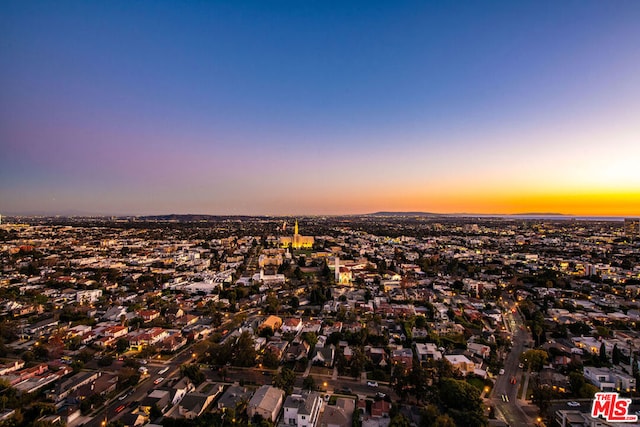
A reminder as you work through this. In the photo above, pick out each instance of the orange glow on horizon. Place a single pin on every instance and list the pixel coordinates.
(585, 203)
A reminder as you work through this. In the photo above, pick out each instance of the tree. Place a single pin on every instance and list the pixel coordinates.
(128, 377)
(462, 402)
(105, 360)
(399, 421)
(444, 420)
(310, 338)
(122, 345)
(270, 359)
(603, 353)
(285, 380)
(615, 355)
(192, 371)
(576, 379)
(309, 383)
(244, 351)
(534, 359)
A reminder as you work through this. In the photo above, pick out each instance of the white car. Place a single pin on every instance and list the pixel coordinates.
(573, 404)
(372, 383)
(158, 380)
(501, 372)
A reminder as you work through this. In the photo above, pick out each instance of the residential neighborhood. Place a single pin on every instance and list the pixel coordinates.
(316, 321)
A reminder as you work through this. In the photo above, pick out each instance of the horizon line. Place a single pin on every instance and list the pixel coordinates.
(377, 213)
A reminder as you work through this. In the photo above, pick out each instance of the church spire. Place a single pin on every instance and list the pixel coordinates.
(295, 228)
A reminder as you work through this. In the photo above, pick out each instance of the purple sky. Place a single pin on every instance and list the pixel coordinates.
(293, 107)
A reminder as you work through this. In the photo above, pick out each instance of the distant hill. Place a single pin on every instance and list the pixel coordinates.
(539, 214)
(404, 214)
(190, 217)
(431, 214)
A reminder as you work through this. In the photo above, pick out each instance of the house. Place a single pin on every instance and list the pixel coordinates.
(324, 356)
(461, 362)
(377, 355)
(11, 367)
(174, 313)
(479, 350)
(148, 315)
(302, 410)
(573, 418)
(180, 389)
(65, 388)
(402, 357)
(380, 409)
(194, 404)
(340, 415)
(133, 420)
(103, 385)
(607, 379)
(273, 322)
(233, 396)
(277, 347)
(426, 351)
(298, 350)
(159, 398)
(114, 314)
(266, 402)
(116, 331)
(292, 325)
(173, 343)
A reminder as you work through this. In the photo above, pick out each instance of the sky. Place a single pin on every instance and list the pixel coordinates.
(319, 107)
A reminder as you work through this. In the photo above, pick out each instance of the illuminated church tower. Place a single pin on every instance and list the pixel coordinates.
(297, 241)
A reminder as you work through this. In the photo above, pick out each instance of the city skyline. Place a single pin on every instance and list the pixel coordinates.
(304, 108)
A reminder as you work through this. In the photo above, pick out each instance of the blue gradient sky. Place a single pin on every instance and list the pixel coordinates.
(319, 107)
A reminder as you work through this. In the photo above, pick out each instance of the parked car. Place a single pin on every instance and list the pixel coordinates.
(372, 383)
(158, 380)
(573, 404)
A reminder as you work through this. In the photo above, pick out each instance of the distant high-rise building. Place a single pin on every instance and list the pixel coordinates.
(632, 228)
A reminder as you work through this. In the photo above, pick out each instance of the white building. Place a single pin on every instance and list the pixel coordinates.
(302, 410)
(266, 402)
(88, 296)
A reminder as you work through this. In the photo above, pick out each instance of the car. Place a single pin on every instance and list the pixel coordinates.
(380, 395)
(345, 390)
(513, 380)
(573, 404)
(372, 383)
(120, 408)
(521, 365)
(124, 396)
(501, 372)
(158, 380)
